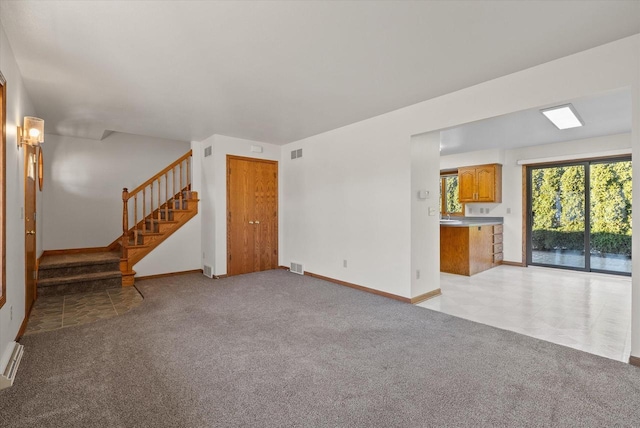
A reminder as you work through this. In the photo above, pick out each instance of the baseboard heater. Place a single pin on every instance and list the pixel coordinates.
(9, 374)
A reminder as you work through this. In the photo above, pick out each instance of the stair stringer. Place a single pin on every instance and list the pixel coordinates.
(134, 253)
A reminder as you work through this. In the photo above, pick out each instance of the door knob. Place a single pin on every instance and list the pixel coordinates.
(31, 232)
(257, 222)
(250, 222)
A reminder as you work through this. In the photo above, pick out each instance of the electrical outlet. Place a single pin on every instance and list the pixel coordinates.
(344, 263)
(418, 274)
(508, 210)
(481, 210)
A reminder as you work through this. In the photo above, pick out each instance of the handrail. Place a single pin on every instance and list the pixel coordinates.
(160, 174)
(154, 212)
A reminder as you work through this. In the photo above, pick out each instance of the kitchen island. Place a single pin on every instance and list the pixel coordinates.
(469, 245)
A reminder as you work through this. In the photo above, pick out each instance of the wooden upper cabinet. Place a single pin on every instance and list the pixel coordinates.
(466, 184)
(481, 183)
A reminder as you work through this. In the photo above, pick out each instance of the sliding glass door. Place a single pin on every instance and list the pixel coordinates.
(579, 216)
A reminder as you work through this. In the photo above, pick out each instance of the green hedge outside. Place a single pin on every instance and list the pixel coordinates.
(613, 243)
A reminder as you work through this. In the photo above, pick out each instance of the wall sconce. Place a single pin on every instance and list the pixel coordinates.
(32, 133)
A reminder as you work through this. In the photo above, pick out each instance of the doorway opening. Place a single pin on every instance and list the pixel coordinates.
(579, 215)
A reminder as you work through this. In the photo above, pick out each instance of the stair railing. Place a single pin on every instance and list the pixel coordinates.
(153, 199)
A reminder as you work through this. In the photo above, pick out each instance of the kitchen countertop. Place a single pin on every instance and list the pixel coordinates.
(471, 221)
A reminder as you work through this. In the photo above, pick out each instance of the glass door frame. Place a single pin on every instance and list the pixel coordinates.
(587, 214)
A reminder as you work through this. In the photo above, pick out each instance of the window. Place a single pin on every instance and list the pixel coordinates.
(3, 186)
(449, 203)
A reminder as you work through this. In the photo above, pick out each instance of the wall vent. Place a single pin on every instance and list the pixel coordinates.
(207, 151)
(295, 154)
(297, 268)
(208, 271)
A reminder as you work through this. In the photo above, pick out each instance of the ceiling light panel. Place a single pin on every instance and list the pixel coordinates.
(563, 117)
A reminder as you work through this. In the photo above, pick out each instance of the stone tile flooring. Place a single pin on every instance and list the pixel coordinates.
(586, 311)
(54, 312)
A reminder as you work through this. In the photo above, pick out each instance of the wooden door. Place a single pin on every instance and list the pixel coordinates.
(30, 224)
(252, 215)
(486, 178)
(466, 184)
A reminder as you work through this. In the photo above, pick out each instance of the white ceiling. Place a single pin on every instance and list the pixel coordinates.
(278, 71)
(604, 114)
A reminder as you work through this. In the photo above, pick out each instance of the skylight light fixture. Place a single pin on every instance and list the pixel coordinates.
(563, 117)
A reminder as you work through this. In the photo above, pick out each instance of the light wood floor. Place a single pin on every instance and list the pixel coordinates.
(586, 311)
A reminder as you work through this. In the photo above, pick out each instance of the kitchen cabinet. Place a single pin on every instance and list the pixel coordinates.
(468, 250)
(480, 183)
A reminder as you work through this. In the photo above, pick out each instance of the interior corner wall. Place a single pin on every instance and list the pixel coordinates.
(511, 208)
(425, 213)
(346, 198)
(213, 198)
(84, 180)
(18, 106)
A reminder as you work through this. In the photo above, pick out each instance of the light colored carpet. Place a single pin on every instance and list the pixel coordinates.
(278, 349)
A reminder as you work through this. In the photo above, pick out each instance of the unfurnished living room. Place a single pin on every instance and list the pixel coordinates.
(319, 213)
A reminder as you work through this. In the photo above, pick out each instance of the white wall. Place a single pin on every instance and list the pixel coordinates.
(182, 250)
(84, 180)
(18, 105)
(479, 157)
(512, 178)
(349, 200)
(213, 206)
(425, 224)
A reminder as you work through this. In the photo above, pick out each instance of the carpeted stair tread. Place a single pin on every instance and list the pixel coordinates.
(47, 282)
(79, 259)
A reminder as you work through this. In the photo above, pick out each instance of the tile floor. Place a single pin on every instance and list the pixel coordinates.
(586, 311)
(54, 312)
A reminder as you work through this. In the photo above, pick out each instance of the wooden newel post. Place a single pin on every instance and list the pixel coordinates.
(125, 221)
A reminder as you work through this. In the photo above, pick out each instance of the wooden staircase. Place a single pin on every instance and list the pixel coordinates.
(156, 209)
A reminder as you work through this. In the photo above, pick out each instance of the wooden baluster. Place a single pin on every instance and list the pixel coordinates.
(181, 204)
(173, 182)
(144, 210)
(125, 221)
(166, 196)
(189, 175)
(153, 229)
(159, 201)
(135, 219)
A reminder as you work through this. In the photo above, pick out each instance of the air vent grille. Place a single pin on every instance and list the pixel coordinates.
(208, 271)
(295, 154)
(297, 268)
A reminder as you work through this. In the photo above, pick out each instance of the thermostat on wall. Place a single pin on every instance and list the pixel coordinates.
(423, 194)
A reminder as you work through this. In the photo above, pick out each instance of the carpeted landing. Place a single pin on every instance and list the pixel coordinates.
(278, 349)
